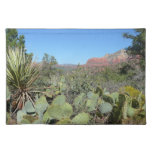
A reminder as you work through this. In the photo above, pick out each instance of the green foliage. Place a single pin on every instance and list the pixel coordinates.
(125, 68)
(138, 42)
(62, 86)
(52, 91)
(138, 45)
(8, 94)
(49, 93)
(21, 73)
(134, 93)
(75, 97)
(47, 65)
(49, 59)
(78, 81)
(48, 72)
(13, 40)
(81, 119)
(135, 96)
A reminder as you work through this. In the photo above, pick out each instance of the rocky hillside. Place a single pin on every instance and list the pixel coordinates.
(108, 59)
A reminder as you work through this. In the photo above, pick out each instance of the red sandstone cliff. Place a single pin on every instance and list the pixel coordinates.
(108, 59)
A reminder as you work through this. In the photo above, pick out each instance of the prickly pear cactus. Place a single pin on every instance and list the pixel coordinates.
(81, 119)
(20, 115)
(107, 98)
(118, 111)
(92, 95)
(62, 79)
(115, 97)
(92, 101)
(25, 121)
(99, 91)
(41, 106)
(135, 95)
(62, 86)
(79, 102)
(58, 112)
(131, 111)
(38, 121)
(29, 108)
(91, 105)
(49, 93)
(100, 101)
(46, 117)
(66, 121)
(105, 92)
(105, 108)
(135, 104)
(30, 118)
(59, 100)
(125, 109)
(122, 99)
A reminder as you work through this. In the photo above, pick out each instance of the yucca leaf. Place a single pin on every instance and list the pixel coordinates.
(20, 70)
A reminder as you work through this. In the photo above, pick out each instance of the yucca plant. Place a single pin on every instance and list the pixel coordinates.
(21, 73)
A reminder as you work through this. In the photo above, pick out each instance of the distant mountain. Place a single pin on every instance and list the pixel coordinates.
(108, 59)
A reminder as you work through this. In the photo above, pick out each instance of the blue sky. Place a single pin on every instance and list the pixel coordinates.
(73, 46)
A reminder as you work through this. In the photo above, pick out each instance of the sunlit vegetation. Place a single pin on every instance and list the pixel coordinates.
(42, 93)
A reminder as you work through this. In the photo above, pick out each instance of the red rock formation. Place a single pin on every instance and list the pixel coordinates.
(108, 59)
